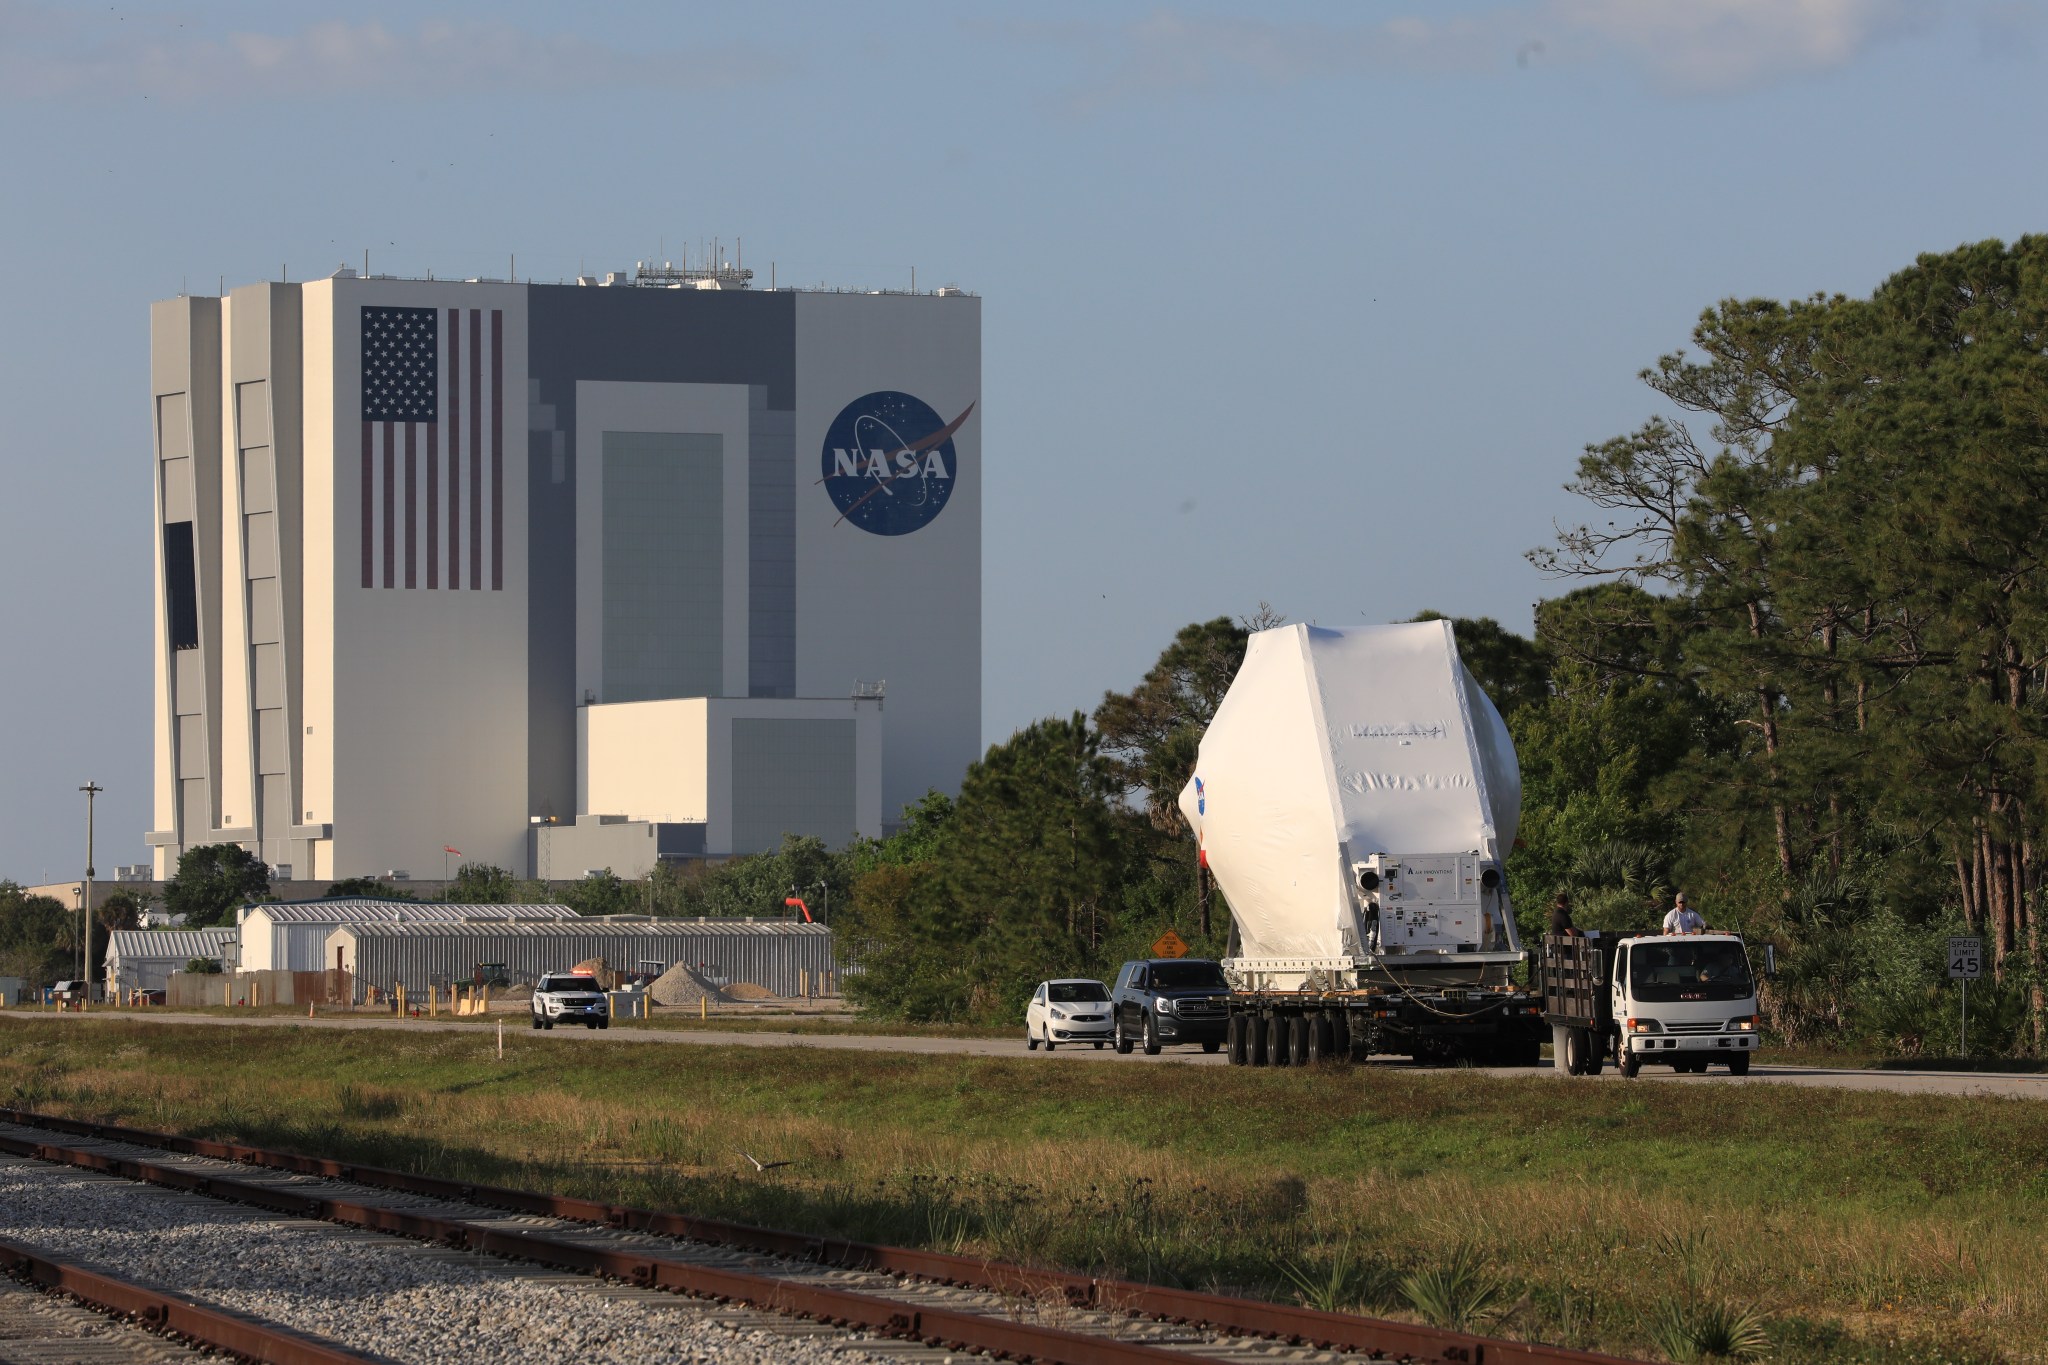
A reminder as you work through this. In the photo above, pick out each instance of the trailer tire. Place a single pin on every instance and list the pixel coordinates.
(1738, 1065)
(1322, 1040)
(1233, 1035)
(1256, 1051)
(1297, 1040)
(1276, 1040)
(1151, 1036)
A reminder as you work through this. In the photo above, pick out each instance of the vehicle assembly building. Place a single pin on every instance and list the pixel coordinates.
(561, 576)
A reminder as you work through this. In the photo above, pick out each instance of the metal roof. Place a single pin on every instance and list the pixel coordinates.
(176, 944)
(358, 909)
(580, 928)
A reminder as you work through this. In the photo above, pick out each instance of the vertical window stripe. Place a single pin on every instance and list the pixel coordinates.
(497, 450)
(476, 451)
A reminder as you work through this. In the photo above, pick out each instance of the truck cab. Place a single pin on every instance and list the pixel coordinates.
(1685, 1001)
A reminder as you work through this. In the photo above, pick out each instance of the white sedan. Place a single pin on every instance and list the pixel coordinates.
(1071, 1010)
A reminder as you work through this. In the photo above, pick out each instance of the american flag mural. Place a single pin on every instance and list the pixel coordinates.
(433, 476)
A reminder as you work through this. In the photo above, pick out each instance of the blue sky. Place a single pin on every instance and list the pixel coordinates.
(1308, 304)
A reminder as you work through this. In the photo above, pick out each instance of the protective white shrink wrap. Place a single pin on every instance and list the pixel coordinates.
(1335, 750)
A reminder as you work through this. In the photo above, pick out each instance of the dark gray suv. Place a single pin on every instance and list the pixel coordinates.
(1170, 1000)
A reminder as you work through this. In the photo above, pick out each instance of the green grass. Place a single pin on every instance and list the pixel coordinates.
(1892, 1229)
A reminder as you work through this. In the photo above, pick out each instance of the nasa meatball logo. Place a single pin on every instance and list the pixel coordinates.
(889, 462)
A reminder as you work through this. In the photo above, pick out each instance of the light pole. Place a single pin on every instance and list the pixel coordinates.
(91, 789)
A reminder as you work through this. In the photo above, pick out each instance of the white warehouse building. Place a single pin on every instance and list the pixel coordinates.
(559, 576)
(291, 936)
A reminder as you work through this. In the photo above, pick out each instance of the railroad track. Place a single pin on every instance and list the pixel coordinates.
(900, 1303)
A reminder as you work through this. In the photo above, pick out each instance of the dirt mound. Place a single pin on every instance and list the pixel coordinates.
(747, 990)
(681, 986)
(522, 991)
(599, 968)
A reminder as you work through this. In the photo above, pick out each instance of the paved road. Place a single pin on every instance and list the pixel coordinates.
(2033, 1087)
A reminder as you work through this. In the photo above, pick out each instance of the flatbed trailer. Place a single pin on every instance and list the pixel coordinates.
(1484, 1025)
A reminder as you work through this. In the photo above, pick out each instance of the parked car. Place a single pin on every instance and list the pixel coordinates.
(570, 998)
(1170, 1000)
(1069, 1010)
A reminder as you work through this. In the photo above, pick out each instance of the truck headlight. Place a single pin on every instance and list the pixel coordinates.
(1744, 1024)
(1165, 1005)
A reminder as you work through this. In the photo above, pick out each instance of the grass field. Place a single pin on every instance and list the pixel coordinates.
(1862, 1227)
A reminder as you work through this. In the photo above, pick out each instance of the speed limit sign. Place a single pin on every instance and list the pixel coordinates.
(1966, 958)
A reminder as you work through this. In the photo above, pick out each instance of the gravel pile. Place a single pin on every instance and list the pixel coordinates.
(681, 986)
(597, 967)
(747, 990)
(375, 1294)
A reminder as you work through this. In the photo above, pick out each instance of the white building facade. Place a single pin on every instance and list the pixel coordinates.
(415, 537)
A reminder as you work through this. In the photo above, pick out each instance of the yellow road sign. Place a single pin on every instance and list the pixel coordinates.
(1169, 944)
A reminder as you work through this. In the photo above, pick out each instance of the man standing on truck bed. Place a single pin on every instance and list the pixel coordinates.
(1561, 915)
(1683, 919)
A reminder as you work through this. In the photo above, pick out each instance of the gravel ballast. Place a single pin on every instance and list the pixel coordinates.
(397, 1299)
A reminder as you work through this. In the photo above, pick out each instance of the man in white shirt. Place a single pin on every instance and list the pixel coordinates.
(1683, 919)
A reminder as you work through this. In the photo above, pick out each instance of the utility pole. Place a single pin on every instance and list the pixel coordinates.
(91, 789)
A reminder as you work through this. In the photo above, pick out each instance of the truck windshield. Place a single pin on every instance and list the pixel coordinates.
(1180, 975)
(1712, 970)
(1074, 992)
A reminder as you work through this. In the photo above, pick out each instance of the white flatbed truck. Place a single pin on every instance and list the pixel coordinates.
(1686, 1001)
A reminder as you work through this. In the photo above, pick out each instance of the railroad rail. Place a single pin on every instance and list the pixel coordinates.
(172, 1314)
(641, 1265)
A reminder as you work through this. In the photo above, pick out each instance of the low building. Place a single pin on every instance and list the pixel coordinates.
(785, 956)
(291, 936)
(143, 959)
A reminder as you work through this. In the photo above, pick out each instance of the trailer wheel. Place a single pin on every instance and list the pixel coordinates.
(1515, 1052)
(1322, 1039)
(1276, 1040)
(1340, 1036)
(1256, 1051)
(1235, 1052)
